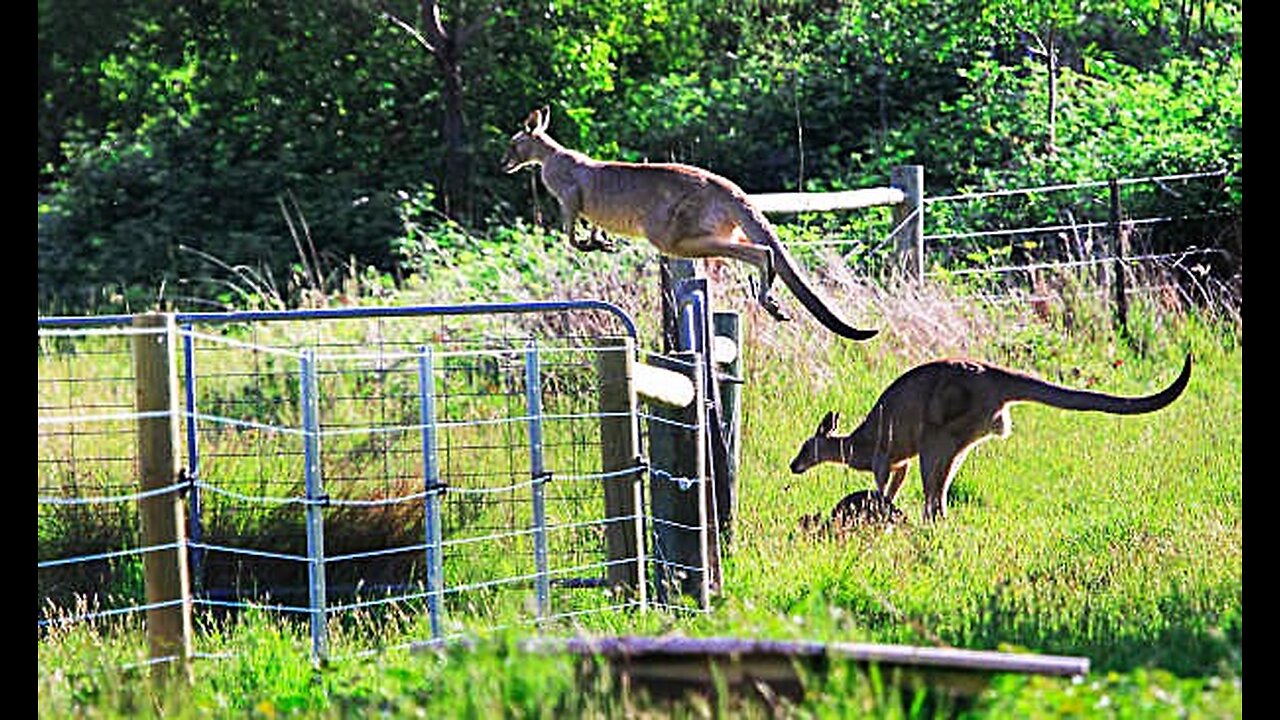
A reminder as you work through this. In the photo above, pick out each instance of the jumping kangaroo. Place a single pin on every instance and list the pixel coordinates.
(684, 211)
(939, 411)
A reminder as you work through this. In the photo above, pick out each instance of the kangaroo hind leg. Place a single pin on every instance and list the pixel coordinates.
(763, 292)
(736, 247)
(939, 458)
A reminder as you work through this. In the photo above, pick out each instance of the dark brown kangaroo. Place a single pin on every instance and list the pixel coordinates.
(940, 410)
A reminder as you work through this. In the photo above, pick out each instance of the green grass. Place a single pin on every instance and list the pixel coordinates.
(1114, 538)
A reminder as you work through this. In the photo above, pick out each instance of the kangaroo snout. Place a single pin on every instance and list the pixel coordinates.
(509, 163)
(803, 460)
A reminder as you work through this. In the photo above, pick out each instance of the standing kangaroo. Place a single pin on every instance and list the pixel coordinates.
(939, 411)
(683, 210)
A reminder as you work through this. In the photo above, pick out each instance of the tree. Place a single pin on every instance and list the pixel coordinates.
(448, 41)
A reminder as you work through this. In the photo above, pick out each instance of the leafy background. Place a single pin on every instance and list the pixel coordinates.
(186, 149)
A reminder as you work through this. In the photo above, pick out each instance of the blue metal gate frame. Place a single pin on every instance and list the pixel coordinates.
(314, 482)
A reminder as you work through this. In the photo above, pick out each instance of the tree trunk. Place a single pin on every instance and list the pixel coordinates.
(447, 46)
(457, 159)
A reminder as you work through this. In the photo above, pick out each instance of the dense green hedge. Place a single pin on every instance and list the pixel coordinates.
(201, 149)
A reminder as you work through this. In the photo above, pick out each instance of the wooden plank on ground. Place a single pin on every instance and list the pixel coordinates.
(673, 665)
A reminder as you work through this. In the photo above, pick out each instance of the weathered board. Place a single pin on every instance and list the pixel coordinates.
(670, 666)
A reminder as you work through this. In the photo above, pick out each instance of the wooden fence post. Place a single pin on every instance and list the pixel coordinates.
(909, 215)
(620, 451)
(165, 572)
(677, 489)
(673, 271)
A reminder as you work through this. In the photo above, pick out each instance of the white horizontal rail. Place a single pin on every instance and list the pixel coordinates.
(826, 201)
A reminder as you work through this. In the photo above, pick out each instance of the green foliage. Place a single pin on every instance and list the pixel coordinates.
(163, 129)
(1155, 694)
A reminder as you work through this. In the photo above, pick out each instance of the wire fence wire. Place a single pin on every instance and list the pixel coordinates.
(1066, 225)
(1172, 240)
(486, 510)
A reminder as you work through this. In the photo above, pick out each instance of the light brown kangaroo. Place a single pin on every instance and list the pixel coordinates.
(939, 411)
(683, 210)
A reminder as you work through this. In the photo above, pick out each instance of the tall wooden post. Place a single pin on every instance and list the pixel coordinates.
(677, 492)
(165, 572)
(432, 489)
(673, 271)
(620, 452)
(908, 216)
(538, 474)
(682, 500)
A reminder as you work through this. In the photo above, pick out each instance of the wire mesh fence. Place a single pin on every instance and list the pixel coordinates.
(447, 469)
(1005, 235)
(86, 479)
(1000, 236)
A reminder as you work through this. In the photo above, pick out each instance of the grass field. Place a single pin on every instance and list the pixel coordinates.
(1114, 538)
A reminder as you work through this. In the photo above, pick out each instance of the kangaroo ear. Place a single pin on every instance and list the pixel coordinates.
(531, 122)
(829, 423)
(545, 114)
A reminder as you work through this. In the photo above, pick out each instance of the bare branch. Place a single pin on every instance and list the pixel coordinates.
(435, 28)
(1040, 48)
(385, 13)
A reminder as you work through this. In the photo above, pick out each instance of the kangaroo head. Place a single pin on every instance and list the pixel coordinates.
(824, 446)
(527, 146)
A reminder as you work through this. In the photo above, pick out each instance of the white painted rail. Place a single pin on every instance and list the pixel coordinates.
(827, 201)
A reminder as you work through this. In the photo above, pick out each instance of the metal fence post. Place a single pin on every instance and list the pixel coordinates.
(692, 296)
(433, 488)
(728, 380)
(195, 524)
(697, 316)
(316, 499)
(533, 396)
(705, 537)
(167, 584)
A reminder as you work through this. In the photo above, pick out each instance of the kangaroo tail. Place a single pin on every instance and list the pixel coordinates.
(760, 232)
(1035, 390)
